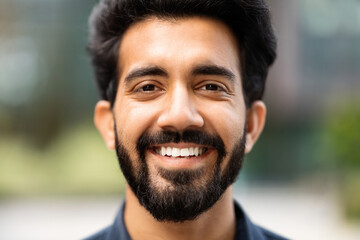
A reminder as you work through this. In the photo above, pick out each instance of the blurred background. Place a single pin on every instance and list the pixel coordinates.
(59, 181)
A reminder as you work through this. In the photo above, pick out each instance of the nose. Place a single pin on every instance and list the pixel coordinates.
(180, 111)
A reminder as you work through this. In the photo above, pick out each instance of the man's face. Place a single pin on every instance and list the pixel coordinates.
(179, 114)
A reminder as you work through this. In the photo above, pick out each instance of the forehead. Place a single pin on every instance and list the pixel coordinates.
(172, 43)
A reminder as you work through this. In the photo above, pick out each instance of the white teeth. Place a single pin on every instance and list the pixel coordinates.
(184, 152)
(175, 152)
(168, 151)
(191, 151)
(196, 151)
(200, 151)
(163, 151)
(180, 152)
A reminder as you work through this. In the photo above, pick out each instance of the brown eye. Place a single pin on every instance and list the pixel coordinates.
(211, 87)
(147, 88)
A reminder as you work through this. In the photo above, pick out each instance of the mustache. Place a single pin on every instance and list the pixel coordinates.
(188, 136)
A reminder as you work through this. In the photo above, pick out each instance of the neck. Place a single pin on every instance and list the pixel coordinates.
(216, 223)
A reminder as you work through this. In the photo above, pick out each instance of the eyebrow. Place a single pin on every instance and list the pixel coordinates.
(198, 70)
(145, 71)
(214, 70)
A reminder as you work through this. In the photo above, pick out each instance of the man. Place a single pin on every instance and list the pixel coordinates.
(181, 83)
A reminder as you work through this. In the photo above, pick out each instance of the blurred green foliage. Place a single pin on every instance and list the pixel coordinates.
(350, 195)
(284, 152)
(77, 162)
(343, 131)
(343, 137)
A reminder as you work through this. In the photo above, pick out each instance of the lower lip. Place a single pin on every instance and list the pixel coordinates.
(182, 162)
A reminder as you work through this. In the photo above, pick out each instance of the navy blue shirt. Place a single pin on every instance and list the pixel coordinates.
(245, 229)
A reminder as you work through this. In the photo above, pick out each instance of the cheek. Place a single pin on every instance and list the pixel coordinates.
(132, 120)
(228, 122)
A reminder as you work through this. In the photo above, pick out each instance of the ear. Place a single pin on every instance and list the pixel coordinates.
(256, 116)
(104, 122)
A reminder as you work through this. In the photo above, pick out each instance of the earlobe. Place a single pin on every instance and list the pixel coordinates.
(104, 122)
(256, 116)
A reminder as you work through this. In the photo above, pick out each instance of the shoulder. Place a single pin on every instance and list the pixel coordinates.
(116, 231)
(101, 235)
(246, 229)
(268, 235)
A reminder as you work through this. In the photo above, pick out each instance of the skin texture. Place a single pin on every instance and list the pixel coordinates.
(177, 97)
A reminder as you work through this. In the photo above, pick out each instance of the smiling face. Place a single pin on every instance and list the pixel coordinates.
(179, 113)
(176, 76)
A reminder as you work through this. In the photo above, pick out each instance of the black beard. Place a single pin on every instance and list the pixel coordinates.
(182, 200)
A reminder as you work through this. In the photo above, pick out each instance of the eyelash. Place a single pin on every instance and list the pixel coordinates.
(205, 87)
(212, 85)
(142, 88)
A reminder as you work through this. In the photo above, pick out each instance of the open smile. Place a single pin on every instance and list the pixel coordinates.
(177, 152)
(181, 155)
